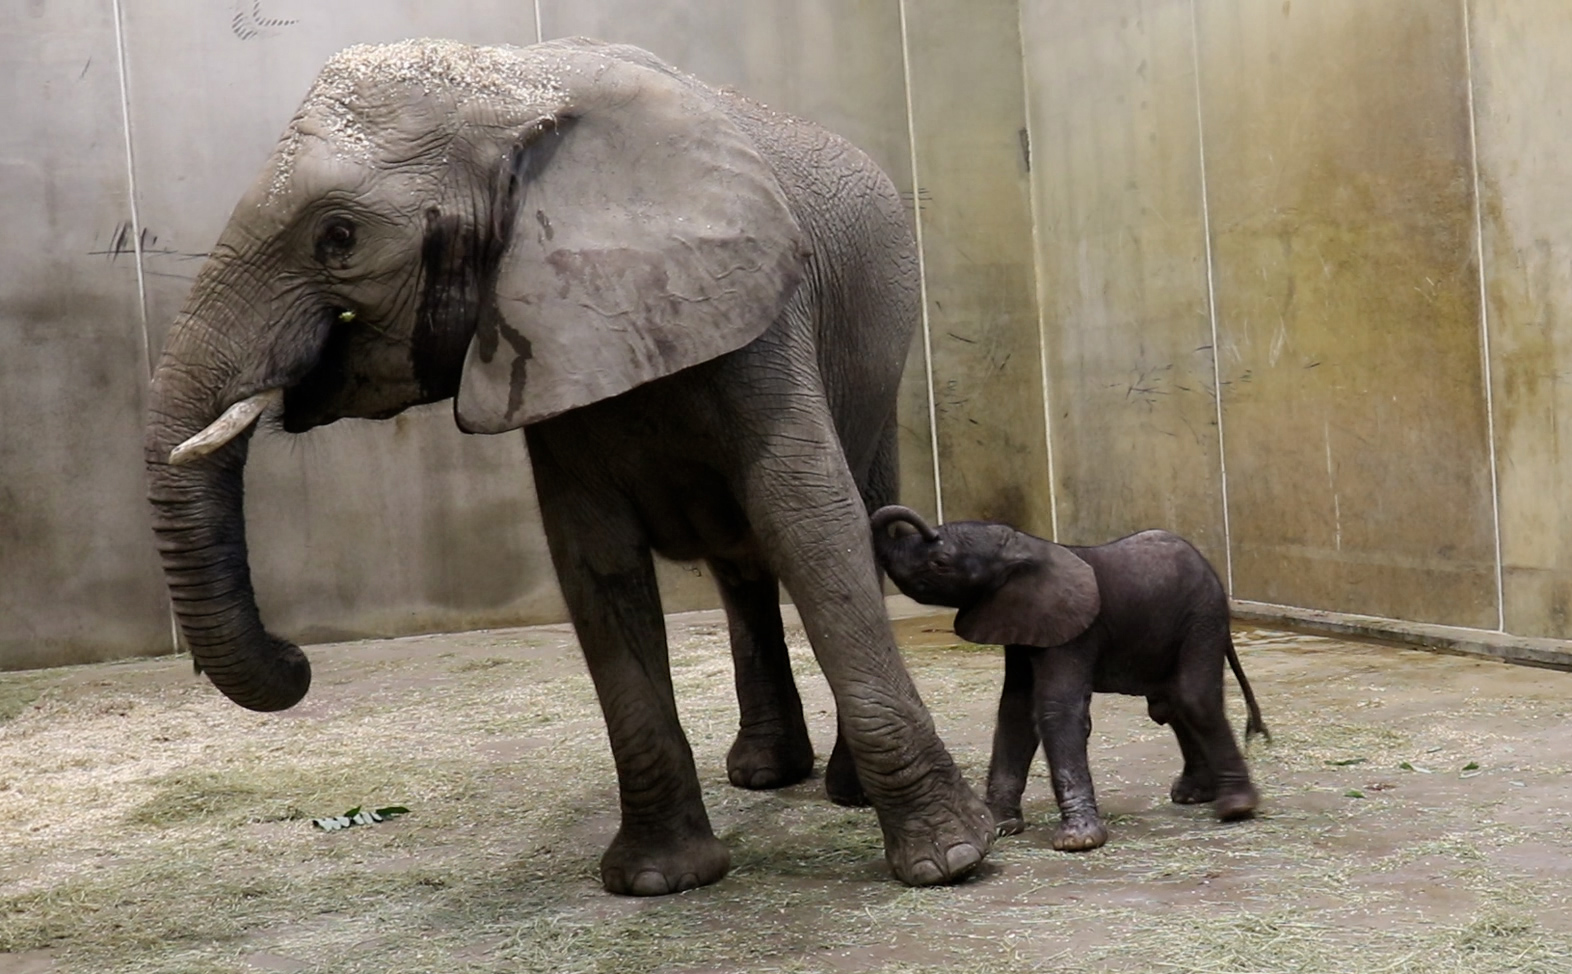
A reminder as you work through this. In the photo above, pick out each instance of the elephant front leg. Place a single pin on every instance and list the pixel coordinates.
(665, 843)
(805, 510)
(1014, 742)
(1064, 720)
(772, 749)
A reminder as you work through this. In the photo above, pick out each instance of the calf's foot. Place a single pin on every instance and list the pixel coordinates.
(1237, 803)
(654, 863)
(1080, 835)
(1007, 820)
(1190, 789)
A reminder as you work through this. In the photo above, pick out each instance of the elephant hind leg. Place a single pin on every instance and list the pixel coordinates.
(1201, 723)
(805, 509)
(879, 486)
(1196, 784)
(665, 843)
(772, 749)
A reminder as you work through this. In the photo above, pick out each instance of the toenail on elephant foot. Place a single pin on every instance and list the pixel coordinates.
(671, 865)
(931, 850)
(1192, 791)
(958, 863)
(1079, 835)
(1238, 804)
(759, 761)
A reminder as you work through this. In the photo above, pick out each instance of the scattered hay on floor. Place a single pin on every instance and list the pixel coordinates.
(149, 827)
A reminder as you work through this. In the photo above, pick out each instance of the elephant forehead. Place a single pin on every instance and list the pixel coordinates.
(462, 69)
(363, 90)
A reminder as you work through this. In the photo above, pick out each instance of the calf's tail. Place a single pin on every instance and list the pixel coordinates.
(1253, 724)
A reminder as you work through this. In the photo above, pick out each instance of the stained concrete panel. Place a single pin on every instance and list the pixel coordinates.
(835, 62)
(78, 575)
(969, 123)
(359, 528)
(1338, 162)
(1116, 170)
(1522, 89)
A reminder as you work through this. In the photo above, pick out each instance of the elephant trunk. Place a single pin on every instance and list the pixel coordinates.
(199, 523)
(884, 517)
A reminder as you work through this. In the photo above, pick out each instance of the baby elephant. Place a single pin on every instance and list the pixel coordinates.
(1144, 615)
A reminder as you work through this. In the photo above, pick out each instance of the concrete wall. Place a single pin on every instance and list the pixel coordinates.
(1106, 195)
(1295, 185)
(1522, 88)
(359, 528)
(77, 566)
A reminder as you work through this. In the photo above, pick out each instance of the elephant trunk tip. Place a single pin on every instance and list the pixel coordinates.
(284, 683)
(884, 517)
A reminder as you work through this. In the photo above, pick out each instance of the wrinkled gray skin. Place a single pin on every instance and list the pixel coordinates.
(1144, 615)
(698, 311)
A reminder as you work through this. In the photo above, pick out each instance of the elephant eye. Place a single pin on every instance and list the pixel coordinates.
(335, 240)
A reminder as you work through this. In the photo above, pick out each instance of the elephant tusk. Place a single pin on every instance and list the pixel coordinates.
(226, 427)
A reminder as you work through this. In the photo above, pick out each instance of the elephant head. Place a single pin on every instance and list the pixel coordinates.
(1010, 587)
(525, 230)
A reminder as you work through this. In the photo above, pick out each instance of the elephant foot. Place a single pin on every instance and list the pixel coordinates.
(942, 840)
(1192, 790)
(841, 783)
(1007, 821)
(1237, 803)
(654, 866)
(761, 758)
(1080, 835)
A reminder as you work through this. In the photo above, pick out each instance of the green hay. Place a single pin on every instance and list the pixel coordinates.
(16, 695)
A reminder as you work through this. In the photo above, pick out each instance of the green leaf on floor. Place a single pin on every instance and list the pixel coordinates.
(355, 817)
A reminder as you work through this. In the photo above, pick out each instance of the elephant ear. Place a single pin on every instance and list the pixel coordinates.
(647, 236)
(1049, 599)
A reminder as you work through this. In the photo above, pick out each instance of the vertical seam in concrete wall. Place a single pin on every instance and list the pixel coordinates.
(136, 219)
(922, 269)
(136, 234)
(539, 36)
(1211, 295)
(1484, 317)
(1037, 269)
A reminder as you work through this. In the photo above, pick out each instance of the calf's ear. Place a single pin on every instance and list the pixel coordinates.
(1050, 598)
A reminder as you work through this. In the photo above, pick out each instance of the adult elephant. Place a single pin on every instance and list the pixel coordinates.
(696, 308)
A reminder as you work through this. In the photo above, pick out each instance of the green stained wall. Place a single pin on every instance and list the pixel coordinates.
(1521, 93)
(1121, 245)
(1338, 166)
(968, 120)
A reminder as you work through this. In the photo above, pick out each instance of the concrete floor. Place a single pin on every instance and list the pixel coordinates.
(1415, 819)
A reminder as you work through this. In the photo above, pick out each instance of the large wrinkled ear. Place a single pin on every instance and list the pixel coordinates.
(647, 235)
(1049, 599)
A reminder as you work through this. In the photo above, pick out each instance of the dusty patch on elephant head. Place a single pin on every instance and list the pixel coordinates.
(336, 107)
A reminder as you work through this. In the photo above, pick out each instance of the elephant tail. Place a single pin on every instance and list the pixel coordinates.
(1253, 724)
